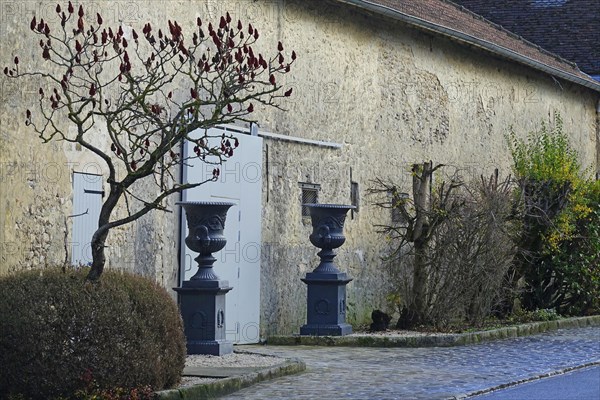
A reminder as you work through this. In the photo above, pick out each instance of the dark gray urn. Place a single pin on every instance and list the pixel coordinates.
(326, 298)
(202, 298)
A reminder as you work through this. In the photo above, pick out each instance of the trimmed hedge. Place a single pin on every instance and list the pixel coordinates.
(60, 335)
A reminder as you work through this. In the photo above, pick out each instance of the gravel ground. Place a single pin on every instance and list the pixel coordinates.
(396, 332)
(194, 380)
(236, 359)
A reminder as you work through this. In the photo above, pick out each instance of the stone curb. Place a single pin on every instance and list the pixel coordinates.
(448, 340)
(221, 387)
(526, 380)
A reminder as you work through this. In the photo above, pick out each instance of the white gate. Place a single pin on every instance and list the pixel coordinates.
(87, 201)
(240, 182)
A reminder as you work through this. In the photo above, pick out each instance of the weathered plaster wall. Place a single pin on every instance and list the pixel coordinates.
(390, 94)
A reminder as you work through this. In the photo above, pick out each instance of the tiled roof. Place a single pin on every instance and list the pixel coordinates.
(570, 28)
(457, 23)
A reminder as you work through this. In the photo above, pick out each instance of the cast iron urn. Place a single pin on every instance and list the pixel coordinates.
(326, 299)
(202, 298)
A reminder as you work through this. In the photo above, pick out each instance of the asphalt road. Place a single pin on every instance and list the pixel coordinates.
(582, 384)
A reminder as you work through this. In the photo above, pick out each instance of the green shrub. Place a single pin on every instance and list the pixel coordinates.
(523, 316)
(60, 335)
(576, 260)
(559, 249)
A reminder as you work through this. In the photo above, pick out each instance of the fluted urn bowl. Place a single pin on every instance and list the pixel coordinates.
(328, 224)
(328, 232)
(206, 222)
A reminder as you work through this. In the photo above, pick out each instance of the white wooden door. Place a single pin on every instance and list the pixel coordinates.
(87, 201)
(240, 182)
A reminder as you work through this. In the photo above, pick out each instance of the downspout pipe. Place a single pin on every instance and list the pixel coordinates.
(472, 40)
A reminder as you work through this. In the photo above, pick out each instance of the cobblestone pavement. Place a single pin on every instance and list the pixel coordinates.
(424, 373)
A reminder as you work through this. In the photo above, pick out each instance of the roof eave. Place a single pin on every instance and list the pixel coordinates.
(473, 41)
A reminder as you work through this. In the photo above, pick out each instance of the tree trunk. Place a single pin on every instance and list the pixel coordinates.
(419, 287)
(99, 237)
(98, 256)
(421, 187)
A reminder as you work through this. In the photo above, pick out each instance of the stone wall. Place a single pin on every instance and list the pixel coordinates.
(391, 95)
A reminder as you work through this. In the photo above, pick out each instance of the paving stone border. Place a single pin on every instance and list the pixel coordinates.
(444, 340)
(221, 387)
(526, 380)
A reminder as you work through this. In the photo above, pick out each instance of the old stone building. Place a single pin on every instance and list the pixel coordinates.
(378, 85)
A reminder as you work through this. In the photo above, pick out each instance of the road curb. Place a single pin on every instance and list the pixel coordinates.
(447, 340)
(232, 384)
(526, 380)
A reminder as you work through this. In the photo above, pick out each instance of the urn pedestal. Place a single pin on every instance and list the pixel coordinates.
(202, 298)
(326, 297)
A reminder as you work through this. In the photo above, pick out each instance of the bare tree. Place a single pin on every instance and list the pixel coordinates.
(145, 93)
(421, 216)
(458, 238)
